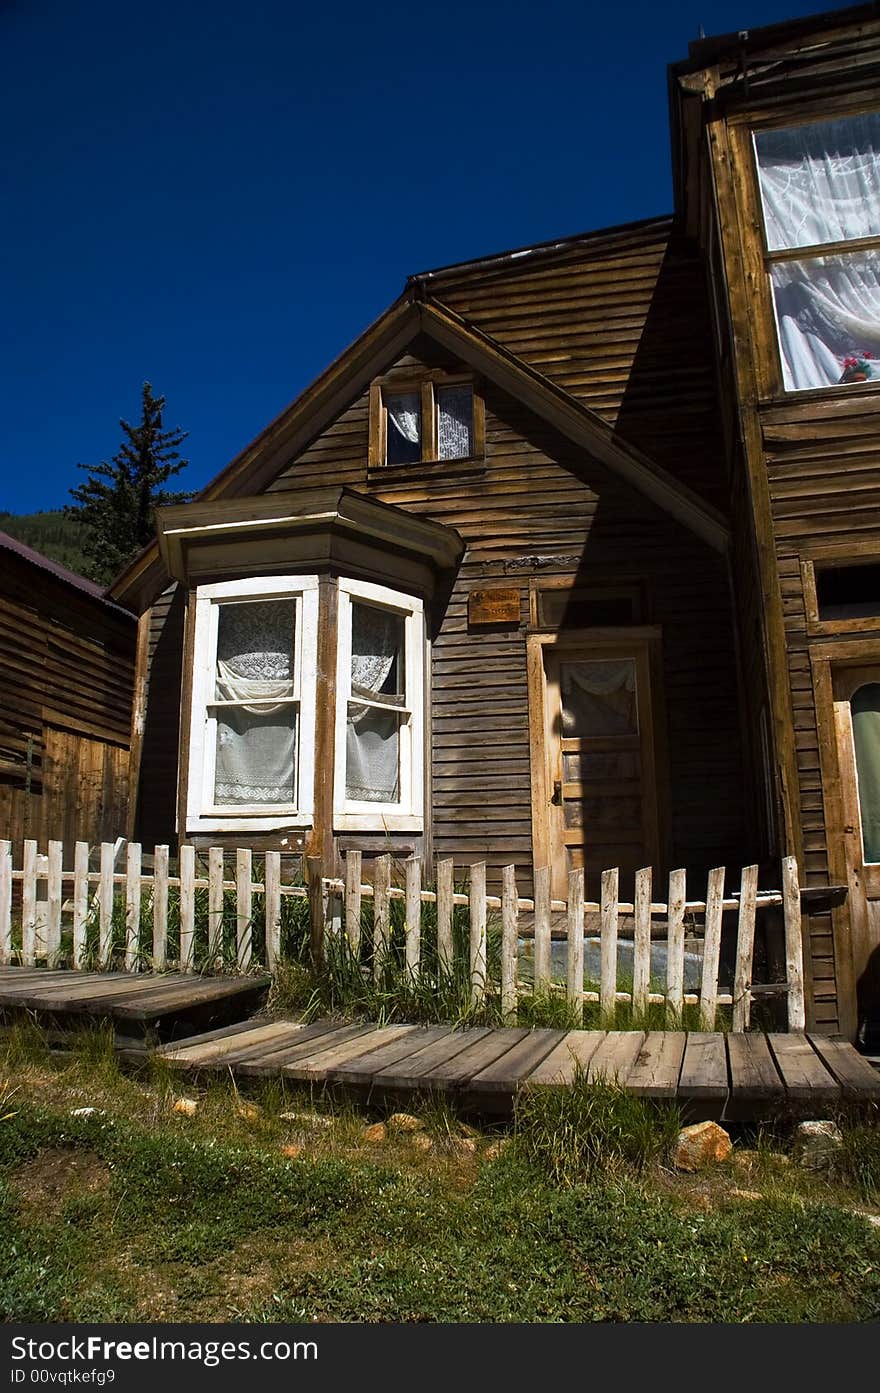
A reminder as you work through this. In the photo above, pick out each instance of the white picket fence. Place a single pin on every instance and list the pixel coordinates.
(335, 907)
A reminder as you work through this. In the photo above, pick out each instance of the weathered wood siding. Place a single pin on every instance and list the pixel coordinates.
(66, 674)
(157, 793)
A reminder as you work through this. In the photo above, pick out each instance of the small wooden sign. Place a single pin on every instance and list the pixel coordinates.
(493, 607)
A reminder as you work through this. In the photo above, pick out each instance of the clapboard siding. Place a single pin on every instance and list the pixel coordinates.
(157, 794)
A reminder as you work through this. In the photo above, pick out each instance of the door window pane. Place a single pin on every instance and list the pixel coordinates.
(599, 698)
(256, 756)
(455, 422)
(865, 707)
(403, 426)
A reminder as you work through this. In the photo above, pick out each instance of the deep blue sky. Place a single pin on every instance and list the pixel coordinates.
(218, 197)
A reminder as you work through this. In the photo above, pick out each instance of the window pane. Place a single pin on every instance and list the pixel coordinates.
(372, 766)
(377, 654)
(255, 651)
(820, 182)
(256, 756)
(828, 313)
(599, 698)
(848, 592)
(865, 706)
(403, 416)
(455, 422)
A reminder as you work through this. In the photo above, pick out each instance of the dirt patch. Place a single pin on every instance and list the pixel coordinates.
(56, 1175)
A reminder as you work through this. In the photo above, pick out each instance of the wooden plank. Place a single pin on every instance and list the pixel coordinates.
(194, 1056)
(675, 942)
(288, 1033)
(542, 939)
(445, 908)
(105, 903)
(54, 897)
(132, 904)
(205, 1036)
(160, 907)
(215, 905)
(477, 911)
(80, 997)
(615, 1057)
(413, 916)
(455, 1072)
(273, 908)
(574, 925)
(5, 901)
(190, 994)
(361, 1070)
(29, 903)
(570, 1057)
(269, 1060)
(510, 945)
(703, 1074)
(753, 1072)
(794, 944)
(642, 942)
(656, 1069)
(80, 900)
(712, 948)
(243, 905)
(427, 1059)
(804, 1075)
(504, 1075)
(353, 873)
(319, 1065)
(381, 914)
(857, 1078)
(608, 944)
(745, 942)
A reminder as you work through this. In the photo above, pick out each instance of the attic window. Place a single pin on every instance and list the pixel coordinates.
(419, 422)
(848, 592)
(820, 194)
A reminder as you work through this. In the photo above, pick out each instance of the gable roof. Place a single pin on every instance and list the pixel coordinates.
(414, 314)
(73, 579)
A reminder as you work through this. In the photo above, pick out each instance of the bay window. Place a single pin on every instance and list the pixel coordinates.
(819, 186)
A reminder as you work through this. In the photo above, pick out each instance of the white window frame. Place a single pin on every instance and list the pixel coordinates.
(407, 815)
(202, 814)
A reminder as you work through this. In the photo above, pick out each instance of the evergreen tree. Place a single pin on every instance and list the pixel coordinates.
(117, 502)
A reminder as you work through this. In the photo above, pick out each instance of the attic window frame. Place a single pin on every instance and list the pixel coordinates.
(826, 558)
(426, 385)
(744, 130)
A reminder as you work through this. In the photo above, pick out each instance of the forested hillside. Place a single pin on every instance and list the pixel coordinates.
(51, 533)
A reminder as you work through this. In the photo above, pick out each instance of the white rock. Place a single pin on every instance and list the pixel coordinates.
(817, 1144)
(87, 1112)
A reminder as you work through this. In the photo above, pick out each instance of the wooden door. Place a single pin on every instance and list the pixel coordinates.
(598, 797)
(857, 727)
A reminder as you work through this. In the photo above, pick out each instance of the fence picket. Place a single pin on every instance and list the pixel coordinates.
(160, 908)
(381, 914)
(575, 945)
(413, 915)
(353, 872)
(106, 896)
(80, 900)
(745, 942)
(5, 902)
(243, 905)
(477, 902)
(445, 909)
(132, 905)
(642, 941)
(29, 904)
(509, 943)
(542, 929)
(187, 871)
(794, 944)
(712, 947)
(53, 903)
(608, 944)
(273, 908)
(215, 903)
(675, 942)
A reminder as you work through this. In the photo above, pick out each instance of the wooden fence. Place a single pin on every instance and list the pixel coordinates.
(54, 928)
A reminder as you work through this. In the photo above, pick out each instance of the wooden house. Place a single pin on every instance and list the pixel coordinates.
(573, 558)
(66, 685)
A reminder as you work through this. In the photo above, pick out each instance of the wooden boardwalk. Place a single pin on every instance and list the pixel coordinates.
(709, 1075)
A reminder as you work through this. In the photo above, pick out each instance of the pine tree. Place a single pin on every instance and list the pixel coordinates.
(117, 503)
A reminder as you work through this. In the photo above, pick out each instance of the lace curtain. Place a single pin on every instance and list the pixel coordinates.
(455, 420)
(598, 698)
(256, 744)
(404, 428)
(820, 183)
(373, 735)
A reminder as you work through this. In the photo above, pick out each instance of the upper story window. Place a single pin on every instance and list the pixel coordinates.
(437, 419)
(820, 194)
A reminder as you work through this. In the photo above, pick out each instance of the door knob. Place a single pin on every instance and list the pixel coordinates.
(557, 793)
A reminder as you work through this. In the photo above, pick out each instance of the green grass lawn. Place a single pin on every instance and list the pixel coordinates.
(137, 1213)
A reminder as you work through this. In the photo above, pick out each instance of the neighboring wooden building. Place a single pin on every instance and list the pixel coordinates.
(557, 563)
(66, 684)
